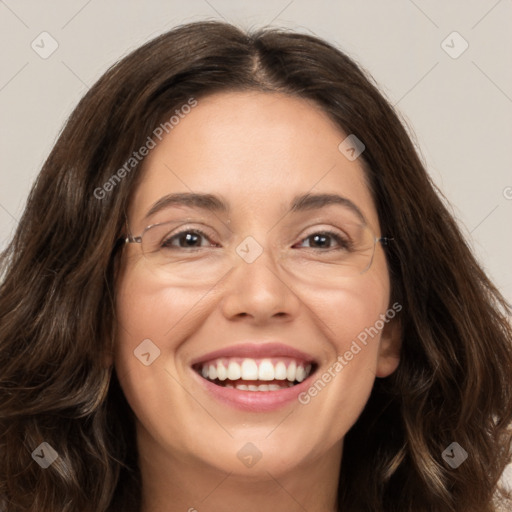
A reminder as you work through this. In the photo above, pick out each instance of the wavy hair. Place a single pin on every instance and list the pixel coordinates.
(58, 304)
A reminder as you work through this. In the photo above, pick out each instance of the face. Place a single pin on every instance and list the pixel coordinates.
(224, 300)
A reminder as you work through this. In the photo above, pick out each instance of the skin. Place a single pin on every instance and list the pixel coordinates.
(257, 151)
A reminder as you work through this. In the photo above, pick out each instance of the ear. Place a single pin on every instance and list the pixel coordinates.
(389, 348)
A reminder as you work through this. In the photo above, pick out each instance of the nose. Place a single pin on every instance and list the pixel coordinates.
(259, 292)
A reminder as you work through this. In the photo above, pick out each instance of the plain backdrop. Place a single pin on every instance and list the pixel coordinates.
(446, 66)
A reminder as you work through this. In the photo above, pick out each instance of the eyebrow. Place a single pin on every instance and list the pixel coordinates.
(215, 204)
(207, 202)
(317, 201)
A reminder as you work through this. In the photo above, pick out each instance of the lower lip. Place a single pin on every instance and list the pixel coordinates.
(254, 401)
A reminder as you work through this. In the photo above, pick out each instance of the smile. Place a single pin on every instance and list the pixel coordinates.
(247, 374)
(255, 377)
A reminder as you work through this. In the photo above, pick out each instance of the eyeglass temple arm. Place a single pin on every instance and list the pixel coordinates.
(129, 239)
(384, 240)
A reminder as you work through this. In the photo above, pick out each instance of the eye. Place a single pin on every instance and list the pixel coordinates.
(186, 239)
(324, 240)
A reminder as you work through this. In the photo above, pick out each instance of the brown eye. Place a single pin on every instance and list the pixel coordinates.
(187, 239)
(326, 240)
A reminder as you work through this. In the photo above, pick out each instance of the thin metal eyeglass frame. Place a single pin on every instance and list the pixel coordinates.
(384, 240)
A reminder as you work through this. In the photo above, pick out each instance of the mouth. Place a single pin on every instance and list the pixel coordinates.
(255, 374)
(254, 377)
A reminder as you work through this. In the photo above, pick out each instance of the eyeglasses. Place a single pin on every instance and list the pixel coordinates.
(181, 256)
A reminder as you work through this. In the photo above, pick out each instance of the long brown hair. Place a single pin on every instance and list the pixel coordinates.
(57, 300)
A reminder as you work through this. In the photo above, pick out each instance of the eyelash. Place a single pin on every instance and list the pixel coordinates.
(181, 233)
(342, 243)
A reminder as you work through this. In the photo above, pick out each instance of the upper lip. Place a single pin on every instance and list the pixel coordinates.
(256, 351)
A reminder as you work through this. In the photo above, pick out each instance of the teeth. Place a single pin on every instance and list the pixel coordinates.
(256, 370)
(290, 373)
(280, 371)
(261, 387)
(234, 372)
(249, 370)
(222, 373)
(266, 370)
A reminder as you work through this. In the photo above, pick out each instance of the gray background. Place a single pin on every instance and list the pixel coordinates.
(458, 108)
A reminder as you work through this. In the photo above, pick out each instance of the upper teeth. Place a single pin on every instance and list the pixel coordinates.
(256, 369)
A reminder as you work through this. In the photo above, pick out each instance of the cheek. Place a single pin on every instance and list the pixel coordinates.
(347, 317)
(349, 312)
(147, 307)
(351, 320)
(151, 319)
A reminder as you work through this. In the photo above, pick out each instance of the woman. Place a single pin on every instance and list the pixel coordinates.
(234, 286)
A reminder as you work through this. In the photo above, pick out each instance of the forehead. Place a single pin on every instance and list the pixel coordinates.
(257, 151)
